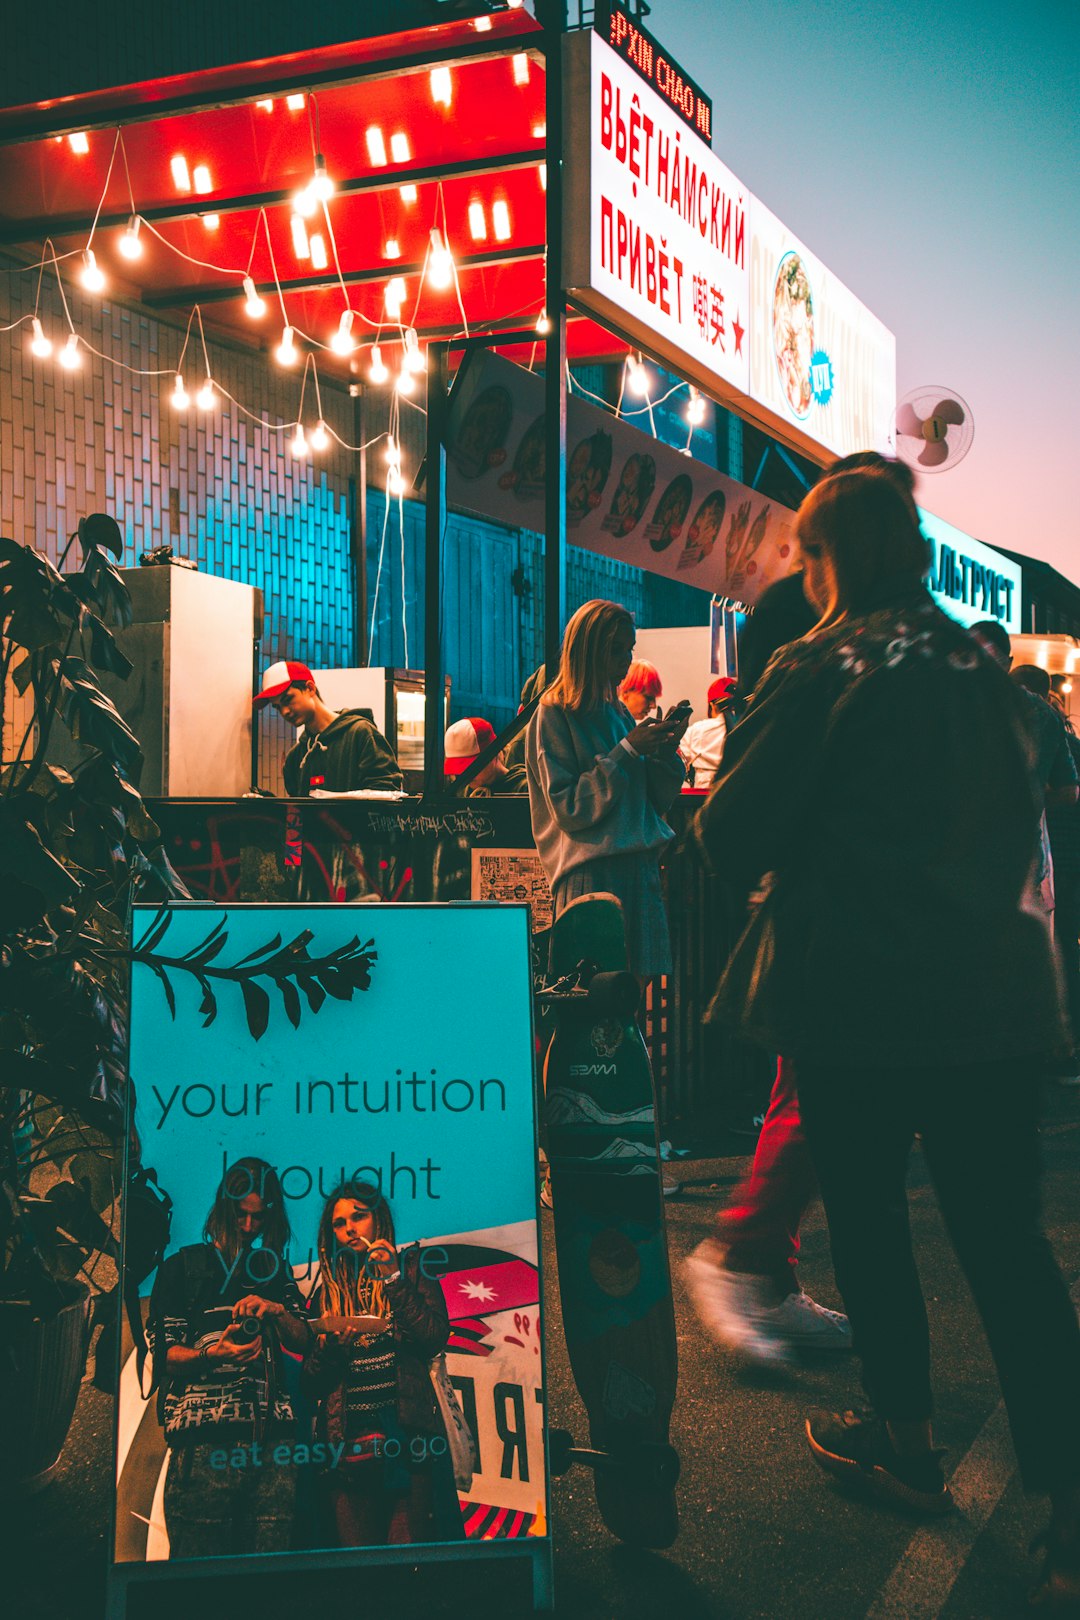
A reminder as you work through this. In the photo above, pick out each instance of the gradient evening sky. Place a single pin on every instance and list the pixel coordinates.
(928, 152)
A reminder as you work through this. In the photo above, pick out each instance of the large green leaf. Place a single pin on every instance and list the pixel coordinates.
(98, 529)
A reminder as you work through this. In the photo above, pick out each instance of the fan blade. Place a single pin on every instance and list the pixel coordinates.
(950, 410)
(934, 454)
(907, 422)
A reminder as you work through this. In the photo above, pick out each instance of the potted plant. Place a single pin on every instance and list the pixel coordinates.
(75, 846)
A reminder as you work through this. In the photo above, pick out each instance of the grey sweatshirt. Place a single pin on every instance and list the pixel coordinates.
(591, 796)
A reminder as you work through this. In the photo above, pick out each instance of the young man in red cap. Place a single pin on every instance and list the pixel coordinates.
(465, 739)
(337, 752)
(703, 742)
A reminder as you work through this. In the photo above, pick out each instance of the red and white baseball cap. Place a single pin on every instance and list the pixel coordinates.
(464, 740)
(278, 678)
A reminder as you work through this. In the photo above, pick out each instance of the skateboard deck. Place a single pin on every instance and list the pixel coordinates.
(610, 1233)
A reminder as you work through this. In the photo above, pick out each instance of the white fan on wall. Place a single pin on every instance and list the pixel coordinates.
(934, 428)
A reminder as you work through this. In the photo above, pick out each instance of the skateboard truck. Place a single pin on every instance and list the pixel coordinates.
(652, 1463)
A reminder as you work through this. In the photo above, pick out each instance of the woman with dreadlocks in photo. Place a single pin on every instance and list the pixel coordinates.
(379, 1320)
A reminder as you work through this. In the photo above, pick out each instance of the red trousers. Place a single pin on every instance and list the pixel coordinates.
(760, 1227)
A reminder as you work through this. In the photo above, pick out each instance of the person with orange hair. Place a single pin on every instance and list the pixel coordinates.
(642, 689)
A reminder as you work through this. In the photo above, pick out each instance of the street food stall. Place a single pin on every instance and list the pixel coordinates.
(238, 296)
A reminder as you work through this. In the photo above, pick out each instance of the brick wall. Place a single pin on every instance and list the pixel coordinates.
(219, 487)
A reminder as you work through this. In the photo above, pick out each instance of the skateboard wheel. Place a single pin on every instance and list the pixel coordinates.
(660, 1465)
(617, 994)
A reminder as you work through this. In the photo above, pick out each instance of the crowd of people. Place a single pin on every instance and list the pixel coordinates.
(884, 815)
(895, 811)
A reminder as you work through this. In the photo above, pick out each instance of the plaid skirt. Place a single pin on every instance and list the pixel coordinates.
(635, 880)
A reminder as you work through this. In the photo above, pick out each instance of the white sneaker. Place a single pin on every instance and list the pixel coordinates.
(732, 1307)
(745, 1313)
(806, 1325)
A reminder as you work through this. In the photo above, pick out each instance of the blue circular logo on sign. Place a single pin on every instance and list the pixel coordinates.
(822, 377)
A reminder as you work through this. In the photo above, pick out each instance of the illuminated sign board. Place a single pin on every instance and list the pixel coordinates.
(968, 580)
(820, 361)
(668, 248)
(658, 233)
(638, 47)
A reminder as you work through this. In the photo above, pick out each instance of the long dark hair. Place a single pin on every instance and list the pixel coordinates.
(248, 1176)
(347, 1287)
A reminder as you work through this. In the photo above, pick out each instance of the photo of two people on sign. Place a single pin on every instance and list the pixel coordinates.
(310, 1406)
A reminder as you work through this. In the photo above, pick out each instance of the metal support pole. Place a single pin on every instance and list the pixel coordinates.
(358, 534)
(434, 528)
(554, 19)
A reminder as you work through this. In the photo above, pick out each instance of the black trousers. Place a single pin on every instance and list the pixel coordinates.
(980, 1140)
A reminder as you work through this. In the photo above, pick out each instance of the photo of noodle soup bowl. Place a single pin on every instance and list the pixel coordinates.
(793, 332)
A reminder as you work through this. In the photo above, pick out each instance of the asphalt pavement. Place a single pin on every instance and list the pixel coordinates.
(764, 1535)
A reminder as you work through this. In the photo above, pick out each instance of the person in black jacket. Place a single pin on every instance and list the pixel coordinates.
(338, 752)
(879, 800)
(379, 1321)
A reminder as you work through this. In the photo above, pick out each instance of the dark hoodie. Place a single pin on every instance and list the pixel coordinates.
(351, 753)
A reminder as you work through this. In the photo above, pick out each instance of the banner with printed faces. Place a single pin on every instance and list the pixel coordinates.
(339, 1101)
(627, 495)
(820, 361)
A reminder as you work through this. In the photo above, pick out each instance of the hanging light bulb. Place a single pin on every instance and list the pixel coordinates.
(300, 238)
(405, 382)
(695, 410)
(543, 325)
(395, 296)
(393, 451)
(39, 343)
(442, 86)
(320, 438)
(69, 354)
(286, 349)
(298, 443)
(130, 245)
(440, 271)
(414, 359)
(180, 397)
(342, 340)
(254, 305)
(305, 203)
(500, 219)
(321, 186)
(637, 377)
(395, 484)
(1066, 687)
(205, 398)
(377, 372)
(92, 278)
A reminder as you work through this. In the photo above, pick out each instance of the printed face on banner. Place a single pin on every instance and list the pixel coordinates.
(668, 222)
(818, 358)
(354, 1197)
(627, 495)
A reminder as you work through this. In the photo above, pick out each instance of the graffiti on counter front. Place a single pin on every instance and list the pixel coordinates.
(465, 822)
